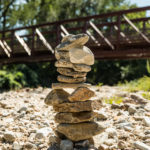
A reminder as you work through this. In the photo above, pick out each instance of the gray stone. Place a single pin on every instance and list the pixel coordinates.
(81, 55)
(131, 109)
(17, 146)
(66, 145)
(141, 146)
(63, 63)
(81, 67)
(62, 78)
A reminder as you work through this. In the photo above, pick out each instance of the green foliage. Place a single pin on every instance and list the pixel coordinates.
(141, 84)
(114, 99)
(146, 95)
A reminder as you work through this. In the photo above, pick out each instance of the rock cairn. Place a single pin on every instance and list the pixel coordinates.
(75, 115)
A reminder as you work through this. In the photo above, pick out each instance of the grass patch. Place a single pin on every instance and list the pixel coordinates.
(142, 84)
(146, 95)
(114, 99)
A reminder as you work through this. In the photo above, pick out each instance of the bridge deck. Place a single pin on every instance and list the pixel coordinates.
(112, 36)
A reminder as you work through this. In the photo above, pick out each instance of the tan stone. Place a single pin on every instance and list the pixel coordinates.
(71, 72)
(69, 85)
(80, 131)
(74, 107)
(63, 63)
(81, 94)
(56, 96)
(62, 55)
(74, 117)
(81, 67)
(67, 79)
(81, 55)
(72, 41)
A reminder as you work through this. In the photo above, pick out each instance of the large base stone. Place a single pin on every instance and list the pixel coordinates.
(56, 96)
(66, 79)
(71, 72)
(80, 131)
(74, 107)
(74, 117)
(81, 94)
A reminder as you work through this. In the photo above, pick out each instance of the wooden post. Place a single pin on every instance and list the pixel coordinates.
(118, 31)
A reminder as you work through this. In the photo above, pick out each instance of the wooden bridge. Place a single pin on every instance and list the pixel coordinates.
(112, 36)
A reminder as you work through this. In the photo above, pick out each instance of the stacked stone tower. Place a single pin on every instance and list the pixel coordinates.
(75, 116)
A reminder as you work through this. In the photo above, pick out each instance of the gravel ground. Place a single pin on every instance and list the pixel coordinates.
(27, 123)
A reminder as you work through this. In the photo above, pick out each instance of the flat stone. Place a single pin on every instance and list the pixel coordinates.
(71, 72)
(74, 107)
(56, 96)
(80, 131)
(141, 146)
(62, 63)
(74, 117)
(69, 85)
(72, 41)
(81, 94)
(66, 79)
(146, 121)
(62, 55)
(81, 67)
(81, 55)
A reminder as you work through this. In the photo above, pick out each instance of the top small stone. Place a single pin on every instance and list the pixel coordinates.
(72, 41)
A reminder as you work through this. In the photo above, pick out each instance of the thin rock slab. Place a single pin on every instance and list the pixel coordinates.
(81, 55)
(69, 85)
(56, 96)
(62, 55)
(81, 94)
(80, 131)
(66, 79)
(74, 107)
(72, 41)
(77, 117)
(71, 72)
(62, 63)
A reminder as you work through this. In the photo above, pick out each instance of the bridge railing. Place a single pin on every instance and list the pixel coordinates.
(111, 31)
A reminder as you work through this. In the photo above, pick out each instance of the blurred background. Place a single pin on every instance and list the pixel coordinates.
(20, 13)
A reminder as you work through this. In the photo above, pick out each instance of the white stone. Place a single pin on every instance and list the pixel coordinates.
(17, 146)
(43, 132)
(131, 109)
(81, 55)
(146, 121)
(141, 146)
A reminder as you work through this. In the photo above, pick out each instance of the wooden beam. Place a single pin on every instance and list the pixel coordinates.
(64, 29)
(22, 42)
(136, 29)
(62, 34)
(93, 38)
(4, 48)
(7, 46)
(122, 34)
(101, 34)
(42, 38)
